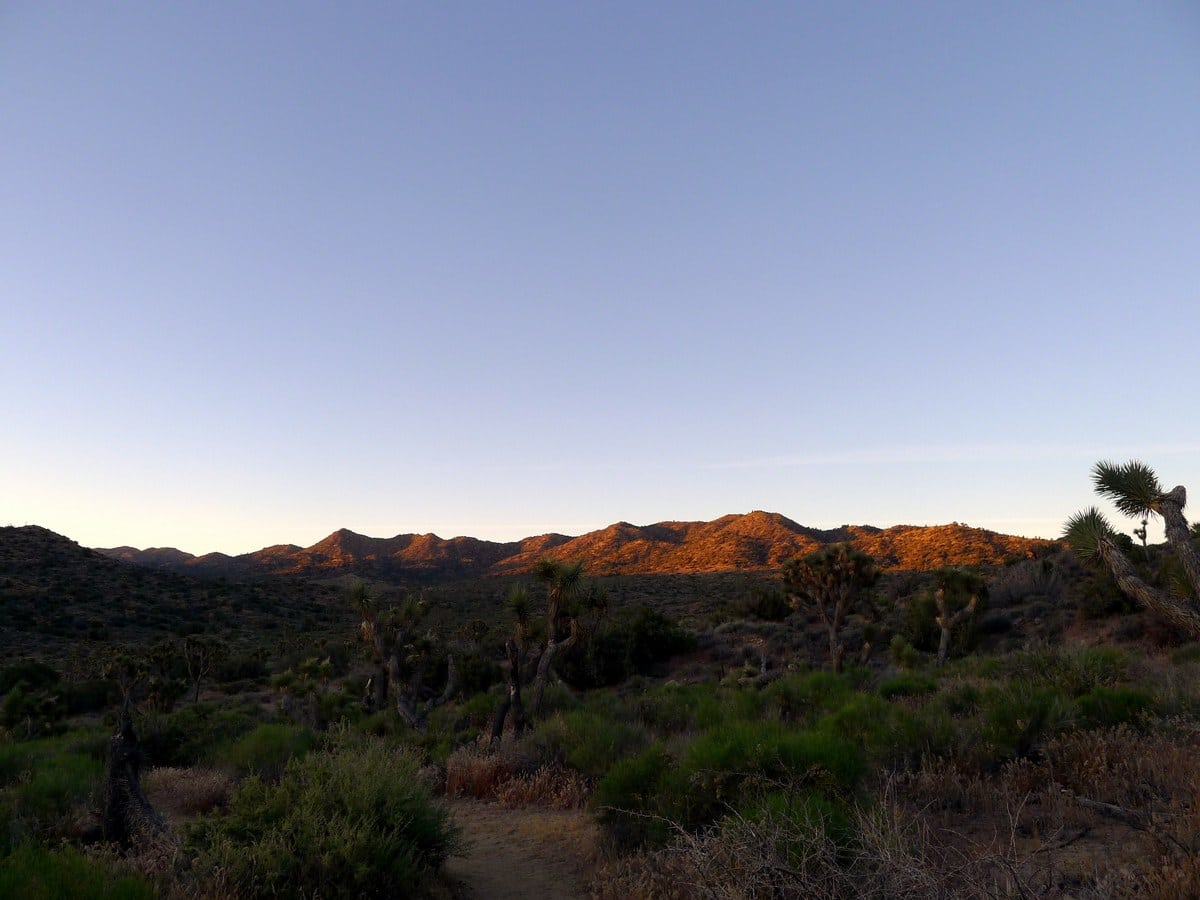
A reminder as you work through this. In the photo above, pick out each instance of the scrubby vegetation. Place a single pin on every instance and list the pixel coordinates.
(1006, 731)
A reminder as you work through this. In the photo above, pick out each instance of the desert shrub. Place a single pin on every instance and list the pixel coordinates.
(907, 686)
(85, 696)
(1187, 654)
(803, 697)
(1104, 707)
(33, 673)
(58, 785)
(476, 673)
(189, 734)
(902, 653)
(587, 741)
(1018, 716)
(186, 792)
(38, 873)
(352, 822)
(731, 763)
(265, 751)
(888, 733)
(1073, 671)
(634, 800)
(1098, 596)
(673, 708)
(244, 669)
(28, 711)
(806, 812)
(636, 641)
(959, 700)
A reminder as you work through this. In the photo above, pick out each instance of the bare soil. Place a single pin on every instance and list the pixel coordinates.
(513, 854)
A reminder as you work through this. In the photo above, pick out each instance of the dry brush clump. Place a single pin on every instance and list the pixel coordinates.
(552, 787)
(183, 792)
(890, 855)
(479, 774)
(514, 780)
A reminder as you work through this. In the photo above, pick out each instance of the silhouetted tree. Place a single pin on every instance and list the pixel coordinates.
(830, 579)
(563, 581)
(201, 654)
(956, 594)
(404, 656)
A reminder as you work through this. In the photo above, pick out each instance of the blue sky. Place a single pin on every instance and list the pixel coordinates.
(500, 269)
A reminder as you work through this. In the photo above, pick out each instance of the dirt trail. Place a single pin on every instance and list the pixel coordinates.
(513, 854)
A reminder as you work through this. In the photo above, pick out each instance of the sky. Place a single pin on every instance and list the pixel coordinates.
(501, 269)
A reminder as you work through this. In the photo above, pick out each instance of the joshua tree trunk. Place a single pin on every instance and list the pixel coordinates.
(1183, 614)
(407, 702)
(127, 813)
(1179, 535)
(379, 687)
(949, 622)
(545, 666)
(512, 699)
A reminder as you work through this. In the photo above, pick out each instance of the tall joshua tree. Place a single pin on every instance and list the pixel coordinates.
(402, 655)
(956, 595)
(562, 581)
(1135, 490)
(830, 579)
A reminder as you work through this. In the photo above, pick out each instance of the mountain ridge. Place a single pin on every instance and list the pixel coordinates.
(753, 541)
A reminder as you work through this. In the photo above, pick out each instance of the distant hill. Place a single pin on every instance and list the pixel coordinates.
(56, 596)
(755, 541)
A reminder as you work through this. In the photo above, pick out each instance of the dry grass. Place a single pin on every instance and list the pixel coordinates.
(509, 777)
(550, 786)
(479, 774)
(184, 793)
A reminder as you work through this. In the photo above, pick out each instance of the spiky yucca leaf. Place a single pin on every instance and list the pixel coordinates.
(518, 602)
(1085, 530)
(1133, 487)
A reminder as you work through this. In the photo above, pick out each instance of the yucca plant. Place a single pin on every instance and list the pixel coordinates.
(1135, 491)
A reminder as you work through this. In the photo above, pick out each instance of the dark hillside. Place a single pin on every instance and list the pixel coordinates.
(55, 594)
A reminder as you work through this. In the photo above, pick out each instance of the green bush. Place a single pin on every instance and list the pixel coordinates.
(804, 812)
(188, 735)
(1018, 716)
(672, 708)
(638, 800)
(39, 873)
(902, 653)
(265, 751)
(891, 734)
(57, 786)
(907, 686)
(801, 698)
(636, 641)
(734, 760)
(352, 822)
(1103, 707)
(587, 741)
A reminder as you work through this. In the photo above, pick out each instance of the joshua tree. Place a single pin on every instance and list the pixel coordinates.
(830, 579)
(562, 581)
(961, 591)
(403, 656)
(201, 653)
(1135, 490)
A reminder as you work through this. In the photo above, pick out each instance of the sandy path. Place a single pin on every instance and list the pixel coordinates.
(515, 854)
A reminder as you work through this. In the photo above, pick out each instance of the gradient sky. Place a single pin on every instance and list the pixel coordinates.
(271, 269)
